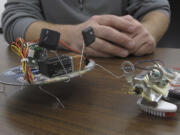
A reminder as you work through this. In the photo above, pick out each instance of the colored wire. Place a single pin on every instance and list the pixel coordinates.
(147, 61)
(176, 68)
(154, 61)
(21, 48)
(34, 41)
(68, 47)
(62, 43)
(174, 85)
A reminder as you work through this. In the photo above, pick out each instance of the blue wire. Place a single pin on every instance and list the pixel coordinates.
(147, 61)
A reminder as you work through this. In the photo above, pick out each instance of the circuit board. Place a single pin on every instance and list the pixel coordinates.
(15, 77)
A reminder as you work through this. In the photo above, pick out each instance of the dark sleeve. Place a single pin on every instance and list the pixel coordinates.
(17, 17)
(139, 8)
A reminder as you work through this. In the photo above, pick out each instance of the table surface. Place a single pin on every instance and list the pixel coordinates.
(95, 104)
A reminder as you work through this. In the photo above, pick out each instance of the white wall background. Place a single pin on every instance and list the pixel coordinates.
(1, 8)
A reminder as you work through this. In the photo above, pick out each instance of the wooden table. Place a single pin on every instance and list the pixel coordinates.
(95, 104)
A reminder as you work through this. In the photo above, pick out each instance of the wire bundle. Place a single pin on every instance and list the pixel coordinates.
(175, 85)
(147, 61)
(155, 62)
(21, 48)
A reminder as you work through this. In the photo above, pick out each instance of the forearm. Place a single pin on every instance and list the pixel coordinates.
(72, 35)
(156, 23)
(34, 30)
(18, 15)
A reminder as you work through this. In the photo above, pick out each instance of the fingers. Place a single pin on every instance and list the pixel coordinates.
(140, 40)
(143, 39)
(119, 23)
(108, 48)
(129, 18)
(137, 25)
(112, 35)
(119, 36)
(145, 49)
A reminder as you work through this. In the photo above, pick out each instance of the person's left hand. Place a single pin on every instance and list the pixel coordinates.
(145, 43)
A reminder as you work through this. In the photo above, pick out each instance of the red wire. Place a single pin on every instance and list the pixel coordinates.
(63, 44)
(176, 68)
(25, 53)
(68, 47)
(174, 85)
(34, 41)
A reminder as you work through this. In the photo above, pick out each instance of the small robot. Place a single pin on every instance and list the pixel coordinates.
(156, 87)
(38, 67)
(42, 64)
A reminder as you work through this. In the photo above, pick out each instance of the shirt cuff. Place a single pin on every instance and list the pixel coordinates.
(165, 12)
(21, 26)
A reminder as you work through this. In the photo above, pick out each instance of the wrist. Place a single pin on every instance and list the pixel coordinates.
(71, 35)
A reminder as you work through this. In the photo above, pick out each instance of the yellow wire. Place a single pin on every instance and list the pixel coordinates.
(19, 51)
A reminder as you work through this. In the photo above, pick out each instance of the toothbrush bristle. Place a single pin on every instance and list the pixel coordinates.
(159, 112)
(151, 112)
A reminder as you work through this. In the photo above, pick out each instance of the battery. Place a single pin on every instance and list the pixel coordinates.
(52, 67)
(56, 66)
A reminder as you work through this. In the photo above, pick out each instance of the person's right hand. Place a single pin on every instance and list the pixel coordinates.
(110, 38)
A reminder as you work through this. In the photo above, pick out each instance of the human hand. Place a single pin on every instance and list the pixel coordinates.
(145, 43)
(111, 39)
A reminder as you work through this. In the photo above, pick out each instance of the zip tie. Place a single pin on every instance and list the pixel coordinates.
(24, 60)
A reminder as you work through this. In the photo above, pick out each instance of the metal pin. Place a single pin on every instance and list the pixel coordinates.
(3, 90)
(52, 95)
(22, 87)
(80, 64)
(128, 69)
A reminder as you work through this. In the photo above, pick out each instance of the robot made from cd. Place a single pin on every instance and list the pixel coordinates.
(155, 89)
